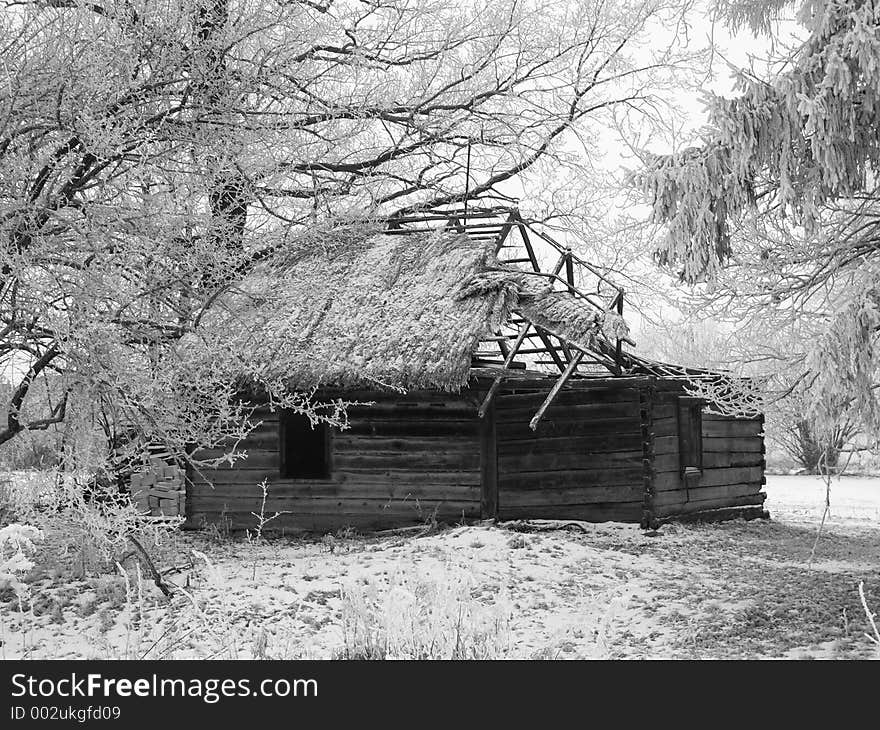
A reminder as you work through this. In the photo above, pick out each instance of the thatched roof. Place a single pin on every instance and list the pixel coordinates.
(402, 311)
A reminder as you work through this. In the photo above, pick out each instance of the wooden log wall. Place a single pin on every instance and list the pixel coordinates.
(584, 462)
(733, 466)
(403, 461)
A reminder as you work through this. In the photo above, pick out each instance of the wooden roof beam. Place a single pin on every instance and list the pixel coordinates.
(496, 384)
(557, 386)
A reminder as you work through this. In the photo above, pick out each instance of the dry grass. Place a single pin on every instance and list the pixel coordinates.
(423, 617)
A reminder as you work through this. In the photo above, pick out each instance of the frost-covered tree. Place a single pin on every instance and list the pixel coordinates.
(153, 152)
(775, 214)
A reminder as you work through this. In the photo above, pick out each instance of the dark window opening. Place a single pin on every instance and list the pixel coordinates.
(690, 432)
(304, 448)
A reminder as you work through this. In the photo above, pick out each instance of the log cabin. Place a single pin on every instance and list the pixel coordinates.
(493, 379)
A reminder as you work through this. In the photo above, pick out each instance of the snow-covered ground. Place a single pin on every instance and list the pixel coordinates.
(544, 590)
(803, 497)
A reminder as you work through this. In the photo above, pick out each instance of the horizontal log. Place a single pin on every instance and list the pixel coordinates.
(345, 443)
(721, 514)
(618, 512)
(662, 412)
(585, 412)
(666, 462)
(582, 478)
(699, 494)
(367, 443)
(666, 444)
(326, 505)
(709, 504)
(423, 461)
(664, 427)
(712, 477)
(378, 476)
(732, 458)
(524, 384)
(588, 444)
(732, 475)
(572, 496)
(417, 427)
(348, 490)
(393, 412)
(553, 426)
(565, 397)
(538, 459)
(735, 429)
(670, 497)
(728, 444)
(723, 491)
(331, 522)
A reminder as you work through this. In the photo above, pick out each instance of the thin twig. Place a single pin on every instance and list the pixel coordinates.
(157, 577)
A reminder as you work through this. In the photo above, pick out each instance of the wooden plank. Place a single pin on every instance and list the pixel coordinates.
(729, 492)
(587, 444)
(722, 514)
(662, 411)
(712, 460)
(418, 428)
(731, 475)
(531, 400)
(344, 443)
(732, 458)
(667, 480)
(713, 477)
(421, 490)
(379, 476)
(575, 412)
(728, 444)
(394, 411)
(489, 464)
(548, 460)
(735, 429)
(666, 462)
(552, 427)
(581, 478)
(328, 505)
(583, 382)
(665, 427)
(618, 511)
(666, 444)
(671, 497)
(574, 496)
(722, 491)
(423, 461)
(691, 507)
(329, 522)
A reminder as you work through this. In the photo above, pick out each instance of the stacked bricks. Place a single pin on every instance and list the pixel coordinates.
(158, 490)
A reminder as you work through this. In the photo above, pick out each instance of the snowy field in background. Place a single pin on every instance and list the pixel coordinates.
(802, 498)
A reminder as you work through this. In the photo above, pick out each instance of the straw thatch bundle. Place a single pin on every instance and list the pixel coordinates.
(403, 311)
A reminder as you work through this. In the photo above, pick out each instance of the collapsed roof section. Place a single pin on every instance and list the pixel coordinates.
(428, 301)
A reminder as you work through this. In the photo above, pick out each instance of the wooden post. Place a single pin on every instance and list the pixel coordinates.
(488, 466)
(618, 351)
(646, 417)
(557, 386)
(569, 269)
(523, 330)
(527, 242)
